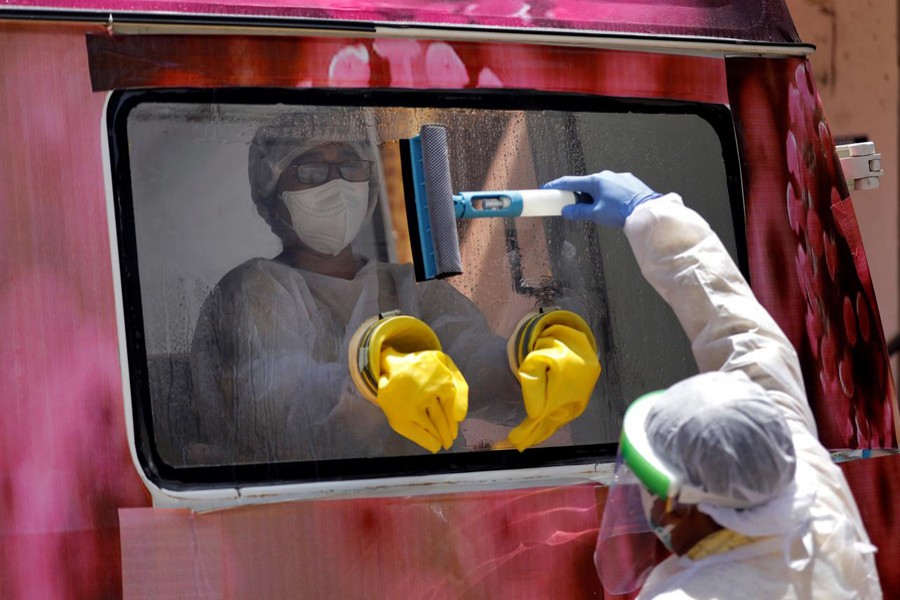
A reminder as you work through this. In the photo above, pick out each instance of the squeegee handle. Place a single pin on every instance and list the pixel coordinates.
(515, 203)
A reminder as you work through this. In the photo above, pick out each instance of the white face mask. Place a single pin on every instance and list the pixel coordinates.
(328, 217)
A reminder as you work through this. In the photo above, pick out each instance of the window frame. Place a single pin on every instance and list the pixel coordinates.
(362, 471)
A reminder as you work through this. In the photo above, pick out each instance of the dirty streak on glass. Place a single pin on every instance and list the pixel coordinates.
(247, 347)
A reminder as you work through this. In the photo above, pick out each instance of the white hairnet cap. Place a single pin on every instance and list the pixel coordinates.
(278, 143)
(723, 434)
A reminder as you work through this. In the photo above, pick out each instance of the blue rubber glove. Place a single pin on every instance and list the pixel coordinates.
(615, 196)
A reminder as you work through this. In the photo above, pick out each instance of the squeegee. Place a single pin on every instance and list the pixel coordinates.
(432, 208)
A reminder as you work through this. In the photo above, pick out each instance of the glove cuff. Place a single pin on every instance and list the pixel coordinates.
(637, 200)
(403, 333)
(529, 329)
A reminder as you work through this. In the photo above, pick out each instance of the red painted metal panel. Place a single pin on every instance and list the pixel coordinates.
(807, 262)
(172, 61)
(751, 20)
(875, 483)
(530, 544)
(64, 462)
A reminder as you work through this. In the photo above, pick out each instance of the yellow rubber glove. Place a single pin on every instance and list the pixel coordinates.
(396, 362)
(557, 374)
(423, 395)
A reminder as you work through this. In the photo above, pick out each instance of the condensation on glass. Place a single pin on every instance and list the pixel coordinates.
(247, 354)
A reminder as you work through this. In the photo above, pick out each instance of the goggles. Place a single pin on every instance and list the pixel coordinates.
(318, 172)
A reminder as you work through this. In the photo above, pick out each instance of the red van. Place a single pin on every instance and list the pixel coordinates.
(160, 440)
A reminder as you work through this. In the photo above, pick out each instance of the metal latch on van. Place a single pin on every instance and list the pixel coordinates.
(861, 165)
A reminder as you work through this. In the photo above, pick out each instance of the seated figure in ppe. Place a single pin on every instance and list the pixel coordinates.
(273, 351)
(723, 468)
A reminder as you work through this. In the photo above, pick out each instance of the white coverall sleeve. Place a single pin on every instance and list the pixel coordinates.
(686, 263)
(262, 389)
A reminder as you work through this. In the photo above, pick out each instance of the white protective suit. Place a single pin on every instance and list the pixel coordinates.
(831, 557)
(269, 362)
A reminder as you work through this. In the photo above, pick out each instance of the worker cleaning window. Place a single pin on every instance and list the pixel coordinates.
(283, 318)
(722, 469)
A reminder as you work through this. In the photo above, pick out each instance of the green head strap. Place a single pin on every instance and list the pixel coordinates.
(640, 457)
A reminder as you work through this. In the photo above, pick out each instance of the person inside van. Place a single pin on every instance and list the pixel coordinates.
(277, 374)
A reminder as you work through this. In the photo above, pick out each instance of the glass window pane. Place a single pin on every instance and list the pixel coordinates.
(253, 281)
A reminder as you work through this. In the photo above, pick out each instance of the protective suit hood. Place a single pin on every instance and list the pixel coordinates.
(723, 436)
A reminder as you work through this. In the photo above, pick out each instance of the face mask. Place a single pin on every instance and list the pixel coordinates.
(328, 217)
(664, 533)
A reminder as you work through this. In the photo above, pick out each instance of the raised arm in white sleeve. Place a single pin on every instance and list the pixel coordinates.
(685, 261)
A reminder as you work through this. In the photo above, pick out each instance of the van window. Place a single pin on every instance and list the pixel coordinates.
(238, 343)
